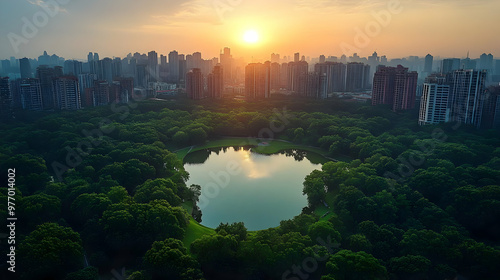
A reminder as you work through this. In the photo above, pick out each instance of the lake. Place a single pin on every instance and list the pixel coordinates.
(238, 185)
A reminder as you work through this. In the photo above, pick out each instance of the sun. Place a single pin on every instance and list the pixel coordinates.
(251, 37)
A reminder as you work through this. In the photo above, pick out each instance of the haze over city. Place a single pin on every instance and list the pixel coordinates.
(115, 28)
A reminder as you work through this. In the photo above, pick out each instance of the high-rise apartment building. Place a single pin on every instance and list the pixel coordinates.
(467, 96)
(395, 86)
(194, 84)
(257, 81)
(215, 82)
(67, 93)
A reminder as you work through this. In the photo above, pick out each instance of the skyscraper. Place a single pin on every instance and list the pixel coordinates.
(25, 67)
(434, 103)
(491, 110)
(429, 59)
(257, 81)
(215, 82)
(335, 75)
(5, 99)
(194, 84)
(173, 67)
(467, 96)
(152, 69)
(395, 86)
(297, 77)
(356, 76)
(226, 60)
(67, 93)
(101, 93)
(31, 95)
(46, 75)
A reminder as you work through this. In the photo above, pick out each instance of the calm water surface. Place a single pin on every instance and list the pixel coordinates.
(241, 186)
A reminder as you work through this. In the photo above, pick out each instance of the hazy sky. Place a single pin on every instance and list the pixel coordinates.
(449, 28)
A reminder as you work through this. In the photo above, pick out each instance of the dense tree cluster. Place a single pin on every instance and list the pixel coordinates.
(99, 190)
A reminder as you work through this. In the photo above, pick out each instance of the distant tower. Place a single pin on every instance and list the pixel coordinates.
(31, 95)
(215, 81)
(173, 67)
(428, 63)
(25, 66)
(194, 84)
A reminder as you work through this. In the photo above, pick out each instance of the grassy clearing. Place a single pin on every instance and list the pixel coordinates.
(195, 231)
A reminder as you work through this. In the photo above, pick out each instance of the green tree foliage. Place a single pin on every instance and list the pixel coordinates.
(169, 259)
(354, 265)
(50, 251)
(237, 229)
(157, 189)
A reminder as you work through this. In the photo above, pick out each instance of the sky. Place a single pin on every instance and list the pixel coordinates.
(114, 28)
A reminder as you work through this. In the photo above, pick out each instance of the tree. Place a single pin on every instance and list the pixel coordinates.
(157, 189)
(351, 265)
(169, 259)
(314, 188)
(237, 229)
(409, 266)
(50, 251)
(323, 230)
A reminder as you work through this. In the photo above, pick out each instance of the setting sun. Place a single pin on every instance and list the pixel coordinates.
(251, 36)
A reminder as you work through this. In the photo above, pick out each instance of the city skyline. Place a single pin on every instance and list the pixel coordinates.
(393, 28)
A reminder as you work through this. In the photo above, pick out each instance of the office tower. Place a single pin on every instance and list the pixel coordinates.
(215, 82)
(101, 93)
(275, 76)
(296, 57)
(257, 81)
(173, 67)
(356, 76)
(394, 86)
(194, 84)
(25, 67)
(491, 110)
(67, 93)
(429, 59)
(467, 96)
(45, 59)
(226, 60)
(5, 99)
(434, 102)
(31, 95)
(449, 65)
(334, 75)
(322, 59)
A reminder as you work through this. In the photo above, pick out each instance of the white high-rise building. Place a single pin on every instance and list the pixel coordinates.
(434, 104)
(467, 96)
